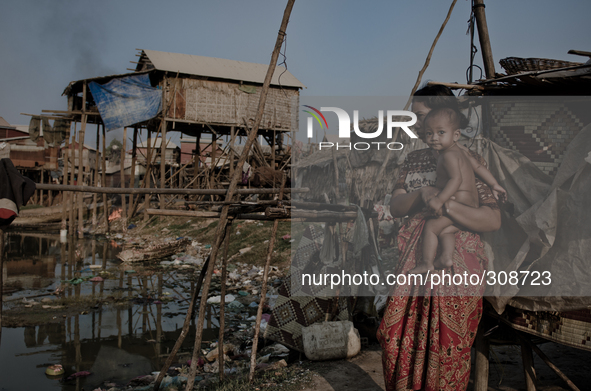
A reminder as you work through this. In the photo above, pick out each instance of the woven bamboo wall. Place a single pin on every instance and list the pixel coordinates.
(539, 129)
(224, 103)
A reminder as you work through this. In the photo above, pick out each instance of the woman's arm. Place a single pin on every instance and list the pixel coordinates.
(403, 203)
(482, 219)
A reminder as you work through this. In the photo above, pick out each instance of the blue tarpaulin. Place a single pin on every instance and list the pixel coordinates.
(126, 101)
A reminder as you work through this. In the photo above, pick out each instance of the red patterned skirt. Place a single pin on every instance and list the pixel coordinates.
(427, 332)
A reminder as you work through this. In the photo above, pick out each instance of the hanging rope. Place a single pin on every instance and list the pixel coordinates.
(428, 59)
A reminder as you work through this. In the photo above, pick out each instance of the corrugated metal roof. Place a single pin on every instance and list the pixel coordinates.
(220, 68)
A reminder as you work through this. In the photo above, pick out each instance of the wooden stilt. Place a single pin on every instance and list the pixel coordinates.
(41, 191)
(529, 371)
(185, 328)
(104, 178)
(147, 174)
(257, 326)
(74, 196)
(132, 173)
(549, 363)
(212, 165)
(95, 178)
(223, 300)
(2, 245)
(232, 140)
(81, 172)
(163, 145)
(197, 160)
(487, 57)
(65, 195)
(123, 200)
(482, 346)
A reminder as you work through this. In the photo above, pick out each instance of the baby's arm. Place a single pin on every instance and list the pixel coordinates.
(485, 175)
(451, 164)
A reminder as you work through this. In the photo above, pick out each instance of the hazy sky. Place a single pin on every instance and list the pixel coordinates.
(334, 47)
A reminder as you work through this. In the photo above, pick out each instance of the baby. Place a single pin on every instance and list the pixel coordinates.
(455, 177)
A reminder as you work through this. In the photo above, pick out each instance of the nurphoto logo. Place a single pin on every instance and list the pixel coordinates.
(393, 120)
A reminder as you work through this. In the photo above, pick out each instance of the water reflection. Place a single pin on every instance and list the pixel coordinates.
(135, 315)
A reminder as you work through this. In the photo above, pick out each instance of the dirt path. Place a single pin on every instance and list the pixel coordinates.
(364, 372)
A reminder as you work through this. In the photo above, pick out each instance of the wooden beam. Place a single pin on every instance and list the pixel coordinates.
(487, 57)
(482, 346)
(456, 86)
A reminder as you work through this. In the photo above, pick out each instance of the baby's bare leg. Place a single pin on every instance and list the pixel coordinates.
(447, 238)
(431, 231)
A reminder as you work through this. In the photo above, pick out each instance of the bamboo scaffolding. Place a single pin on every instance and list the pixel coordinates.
(231, 191)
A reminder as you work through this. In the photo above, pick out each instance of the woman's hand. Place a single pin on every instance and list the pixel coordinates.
(427, 193)
(435, 206)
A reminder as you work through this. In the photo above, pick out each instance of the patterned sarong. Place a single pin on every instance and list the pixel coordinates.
(426, 334)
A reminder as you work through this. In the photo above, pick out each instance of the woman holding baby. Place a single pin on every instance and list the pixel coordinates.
(427, 332)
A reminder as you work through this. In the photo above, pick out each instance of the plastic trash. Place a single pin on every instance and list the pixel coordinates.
(131, 226)
(331, 341)
(54, 370)
(235, 305)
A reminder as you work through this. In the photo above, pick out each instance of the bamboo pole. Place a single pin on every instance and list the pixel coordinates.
(41, 191)
(483, 37)
(231, 190)
(146, 183)
(197, 160)
(2, 245)
(224, 278)
(257, 327)
(232, 140)
(122, 176)
(71, 221)
(163, 143)
(549, 363)
(132, 173)
(104, 179)
(81, 171)
(185, 328)
(482, 346)
(95, 177)
(137, 190)
(65, 195)
(212, 165)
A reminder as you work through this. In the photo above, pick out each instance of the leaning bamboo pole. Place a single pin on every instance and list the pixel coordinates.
(257, 326)
(231, 191)
(223, 301)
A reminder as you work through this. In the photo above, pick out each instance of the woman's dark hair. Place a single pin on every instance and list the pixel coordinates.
(439, 97)
(435, 97)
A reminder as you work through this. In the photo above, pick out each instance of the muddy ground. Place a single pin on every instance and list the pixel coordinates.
(363, 372)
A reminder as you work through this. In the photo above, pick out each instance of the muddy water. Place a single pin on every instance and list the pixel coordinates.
(115, 342)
